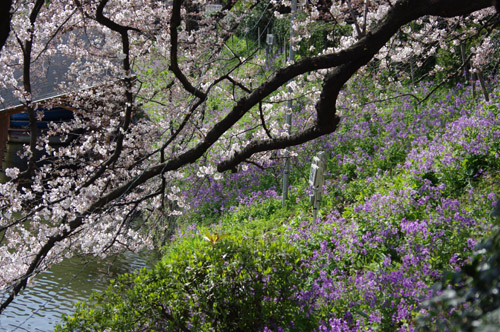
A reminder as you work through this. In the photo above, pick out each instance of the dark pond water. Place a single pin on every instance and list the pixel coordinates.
(41, 306)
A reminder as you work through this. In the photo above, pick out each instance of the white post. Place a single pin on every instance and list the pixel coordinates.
(291, 58)
(316, 180)
(267, 49)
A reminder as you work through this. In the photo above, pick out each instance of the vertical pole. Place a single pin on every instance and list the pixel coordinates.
(267, 49)
(315, 207)
(464, 63)
(483, 85)
(291, 57)
(473, 81)
(258, 37)
(412, 71)
(4, 128)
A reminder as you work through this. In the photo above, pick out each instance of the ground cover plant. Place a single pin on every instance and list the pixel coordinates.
(409, 194)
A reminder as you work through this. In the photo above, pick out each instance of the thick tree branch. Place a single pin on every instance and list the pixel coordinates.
(263, 121)
(399, 15)
(123, 31)
(326, 119)
(27, 49)
(107, 22)
(5, 18)
(326, 122)
(175, 22)
(42, 253)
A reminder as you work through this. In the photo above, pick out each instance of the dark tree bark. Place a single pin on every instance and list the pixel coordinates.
(5, 17)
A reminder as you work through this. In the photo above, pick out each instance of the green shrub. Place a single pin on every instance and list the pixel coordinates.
(468, 299)
(209, 283)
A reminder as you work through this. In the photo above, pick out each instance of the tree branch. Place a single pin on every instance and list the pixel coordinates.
(123, 31)
(27, 49)
(175, 22)
(5, 18)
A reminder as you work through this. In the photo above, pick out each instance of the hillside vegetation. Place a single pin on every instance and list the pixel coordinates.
(409, 193)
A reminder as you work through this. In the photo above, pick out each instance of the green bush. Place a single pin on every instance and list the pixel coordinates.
(469, 299)
(208, 283)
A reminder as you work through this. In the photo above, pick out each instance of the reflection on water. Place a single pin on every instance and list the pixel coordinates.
(41, 306)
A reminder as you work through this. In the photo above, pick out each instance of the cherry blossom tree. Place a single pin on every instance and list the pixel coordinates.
(160, 89)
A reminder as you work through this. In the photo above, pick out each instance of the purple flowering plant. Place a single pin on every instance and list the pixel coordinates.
(406, 199)
(408, 195)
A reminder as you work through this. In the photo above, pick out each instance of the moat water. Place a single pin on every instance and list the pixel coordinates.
(41, 306)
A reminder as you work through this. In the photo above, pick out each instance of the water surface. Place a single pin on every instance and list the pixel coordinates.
(41, 306)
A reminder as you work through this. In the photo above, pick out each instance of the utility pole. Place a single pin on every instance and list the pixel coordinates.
(291, 57)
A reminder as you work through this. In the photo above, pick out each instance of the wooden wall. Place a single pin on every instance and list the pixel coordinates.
(5, 120)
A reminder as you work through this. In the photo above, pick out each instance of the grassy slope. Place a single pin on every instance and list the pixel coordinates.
(408, 196)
